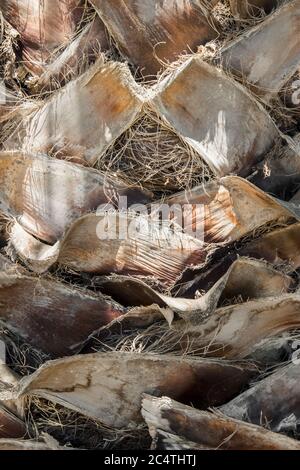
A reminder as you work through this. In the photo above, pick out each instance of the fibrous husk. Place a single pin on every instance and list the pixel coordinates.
(228, 209)
(216, 116)
(116, 242)
(50, 315)
(250, 8)
(108, 386)
(273, 401)
(46, 195)
(153, 33)
(152, 154)
(84, 118)
(75, 59)
(208, 430)
(125, 243)
(233, 331)
(246, 279)
(43, 25)
(267, 56)
(280, 246)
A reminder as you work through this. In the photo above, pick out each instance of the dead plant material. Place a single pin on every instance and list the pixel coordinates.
(272, 402)
(75, 59)
(83, 119)
(127, 243)
(45, 442)
(209, 430)
(43, 26)
(280, 174)
(8, 103)
(108, 386)
(11, 411)
(152, 34)
(216, 116)
(10, 425)
(279, 246)
(228, 209)
(52, 316)
(119, 242)
(70, 428)
(46, 195)
(150, 153)
(267, 56)
(249, 8)
(233, 331)
(246, 279)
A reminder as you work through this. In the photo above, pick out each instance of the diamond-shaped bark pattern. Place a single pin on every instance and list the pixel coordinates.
(117, 96)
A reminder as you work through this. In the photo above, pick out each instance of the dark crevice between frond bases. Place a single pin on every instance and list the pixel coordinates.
(72, 429)
(151, 154)
(21, 357)
(203, 277)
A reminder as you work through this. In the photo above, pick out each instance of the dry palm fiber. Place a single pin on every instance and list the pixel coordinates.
(152, 150)
(154, 33)
(97, 384)
(247, 55)
(75, 59)
(152, 154)
(46, 195)
(43, 27)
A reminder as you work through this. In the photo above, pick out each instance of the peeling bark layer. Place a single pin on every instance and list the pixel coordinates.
(209, 430)
(273, 401)
(108, 386)
(52, 316)
(43, 25)
(216, 116)
(148, 251)
(233, 331)
(269, 54)
(157, 31)
(47, 195)
(246, 279)
(84, 118)
(230, 208)
(279, 247)
(125, 243)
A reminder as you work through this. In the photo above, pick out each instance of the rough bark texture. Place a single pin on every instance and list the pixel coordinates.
(212, 431)
(155, 32)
